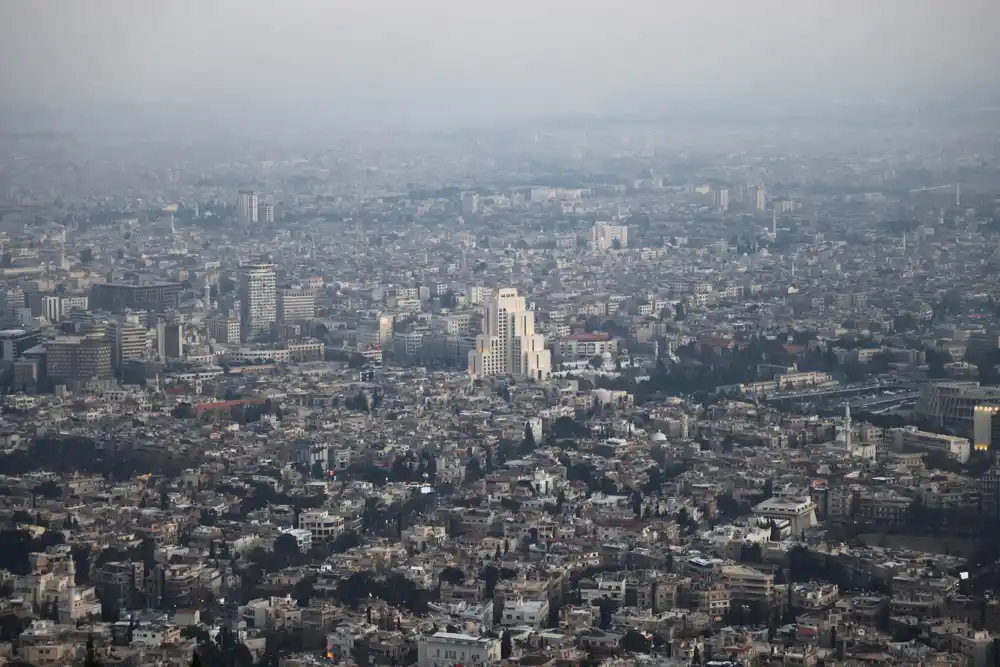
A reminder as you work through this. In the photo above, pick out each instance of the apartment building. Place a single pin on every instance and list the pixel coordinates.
(296, 304)
(446, 649)
(322, 524)
(746, 584)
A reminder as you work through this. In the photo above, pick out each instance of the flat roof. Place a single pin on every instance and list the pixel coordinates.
(157, 284)
(457, 636)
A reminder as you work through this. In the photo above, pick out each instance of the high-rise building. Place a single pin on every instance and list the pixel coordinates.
(509, 344)
(296, 304)
(986, 427)
(470, 202)
(258, 299)
(169, 340)
(721, 198)
(14, 342)
(608, 236)
(265, 214)
(117, 297)
(385, 326)
(78, 358)
(129, 341)
(51, 307)
(758, 198)
(247, 208)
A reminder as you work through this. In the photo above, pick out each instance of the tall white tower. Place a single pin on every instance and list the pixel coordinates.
(848, 427)
(509, 344)
(774, 224)
(247, 207)
(207, 295)
(258, 299)
(958, 195)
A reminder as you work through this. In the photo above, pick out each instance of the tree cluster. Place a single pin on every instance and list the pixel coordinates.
(395, 589)
(16, 545)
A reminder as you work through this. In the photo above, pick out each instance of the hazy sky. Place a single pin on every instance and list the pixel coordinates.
(491, 59)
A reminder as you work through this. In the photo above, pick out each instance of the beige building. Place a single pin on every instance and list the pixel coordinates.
(295, 305)
(609, 236)
(747, 584)
(445, 649)
(258, 299)
(509, 344)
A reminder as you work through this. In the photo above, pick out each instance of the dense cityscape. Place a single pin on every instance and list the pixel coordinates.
(655, 389)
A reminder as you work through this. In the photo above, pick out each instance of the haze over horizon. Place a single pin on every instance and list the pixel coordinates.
(427, 63)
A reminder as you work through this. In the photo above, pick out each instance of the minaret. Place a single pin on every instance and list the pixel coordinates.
(847, 426)
(208, 295)
(774, 223)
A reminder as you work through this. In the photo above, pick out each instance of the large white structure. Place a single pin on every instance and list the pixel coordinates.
(954, 403)
(608, 236)
(444, 649)
(721, 198)
(247, 208)
(258, 299)
(509, 344)
(799, 512)
(912, 438)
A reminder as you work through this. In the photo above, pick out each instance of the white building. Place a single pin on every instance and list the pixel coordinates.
(532, 613)
(799, 512)
(303, 538)
(269, 613)
(721, 199)
(52, 308)
(477, 294)
(470, 202)
(607, 236)
(247, 207)
(445, 649)
(952, 445)
(509, 344)
(322, 525)
(265, 214)
(258, 299)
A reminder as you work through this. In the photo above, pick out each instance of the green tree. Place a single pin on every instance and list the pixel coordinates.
(91, 659)
(286, 547)
(452, 575)
(474, 470)
(506, 646)
(634, 641)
